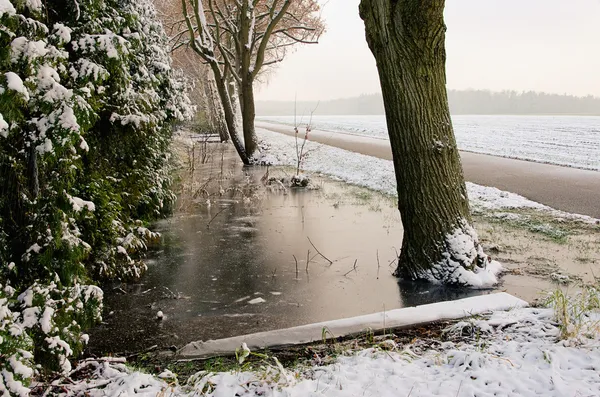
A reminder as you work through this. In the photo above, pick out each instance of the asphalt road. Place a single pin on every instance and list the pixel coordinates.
(564, 188)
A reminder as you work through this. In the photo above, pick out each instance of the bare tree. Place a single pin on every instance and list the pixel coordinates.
(407, 40)
(208, 41)
(265, 30)
(238, 39)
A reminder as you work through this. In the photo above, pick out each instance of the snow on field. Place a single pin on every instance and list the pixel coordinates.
(564, 140)
(378, 174)
(513, 353)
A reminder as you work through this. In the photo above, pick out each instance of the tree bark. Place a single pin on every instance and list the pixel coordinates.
(247, 79)
(229, 113)
(216, 110)
(406, 38)
(248, 117)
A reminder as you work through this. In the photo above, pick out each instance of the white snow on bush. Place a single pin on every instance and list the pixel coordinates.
(3, 127)
(34, 5)
(63, 32)
(79, 204)
(30, 50)
(14, 82)
(6, 7)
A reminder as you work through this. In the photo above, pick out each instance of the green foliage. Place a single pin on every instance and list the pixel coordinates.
(87, 100)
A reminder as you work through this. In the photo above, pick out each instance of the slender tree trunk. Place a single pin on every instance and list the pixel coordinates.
(407, 40)
(247, 80)
(248, 117)
(234, 98)
(229, 114)
(216, 111)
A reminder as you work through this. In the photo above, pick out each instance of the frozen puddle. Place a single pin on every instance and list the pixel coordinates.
(405, 317)
(272, 273)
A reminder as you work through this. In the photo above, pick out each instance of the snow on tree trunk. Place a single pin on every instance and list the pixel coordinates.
(439, 245)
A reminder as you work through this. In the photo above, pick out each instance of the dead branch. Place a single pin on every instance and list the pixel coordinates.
(319, 252)
(353, 268)
(213, 218)
(296, 265)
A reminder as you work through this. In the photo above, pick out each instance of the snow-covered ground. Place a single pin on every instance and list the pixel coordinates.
(564, 140)
(378, 174)
(512, 353)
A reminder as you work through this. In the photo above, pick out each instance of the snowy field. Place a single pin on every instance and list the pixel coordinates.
(378, 174)
(564, 140)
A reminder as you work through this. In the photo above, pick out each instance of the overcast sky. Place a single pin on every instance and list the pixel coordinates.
(541, 45)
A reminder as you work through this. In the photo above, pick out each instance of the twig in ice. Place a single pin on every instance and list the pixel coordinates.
(378, 265)
(319, 252)
(213, 218)
(307, 260)
(296, 265)
(459, 386)
(353, 268)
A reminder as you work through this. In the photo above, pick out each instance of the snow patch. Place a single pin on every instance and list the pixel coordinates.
(46, 320)
(62, 32)
(3, 127)
(490, 198)
(464, 262)
(6, 7)
(14, 82)
(79, 204)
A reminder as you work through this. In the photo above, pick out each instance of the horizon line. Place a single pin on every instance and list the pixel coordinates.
(450, 89)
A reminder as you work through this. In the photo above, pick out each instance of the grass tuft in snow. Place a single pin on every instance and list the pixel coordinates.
(577, 315)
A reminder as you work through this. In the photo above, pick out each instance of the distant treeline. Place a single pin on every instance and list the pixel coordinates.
(461, 102)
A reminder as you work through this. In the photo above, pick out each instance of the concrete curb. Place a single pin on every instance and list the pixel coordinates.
(397, 318)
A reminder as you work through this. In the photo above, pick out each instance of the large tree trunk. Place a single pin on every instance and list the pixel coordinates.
(229, 114)
(407, 40)
(248, 117)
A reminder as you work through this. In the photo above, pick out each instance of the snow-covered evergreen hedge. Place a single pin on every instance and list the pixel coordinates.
(87, 100)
